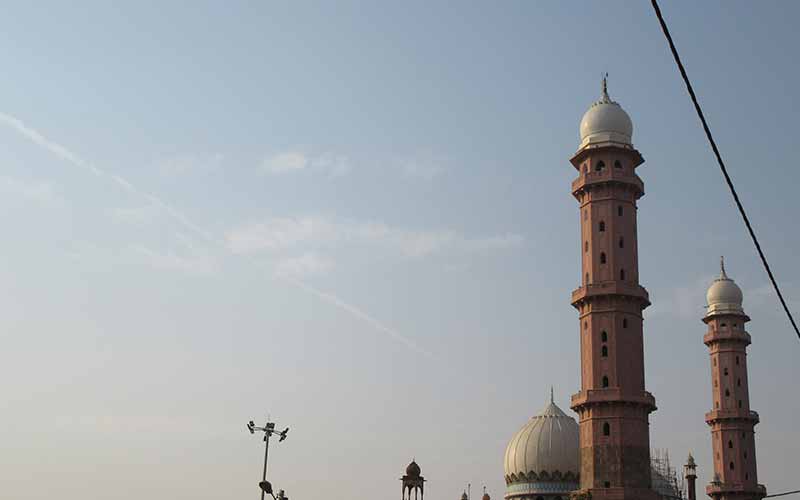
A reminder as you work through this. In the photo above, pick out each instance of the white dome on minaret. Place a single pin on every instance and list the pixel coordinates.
(606, 122)
(724, 296)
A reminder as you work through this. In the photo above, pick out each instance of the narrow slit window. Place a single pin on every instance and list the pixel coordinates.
(624, 322)
(730, 444)
(724, 371)
(587, 278)
(622, 274)
(605, 381)
(727, 393)
(586, 246)
(602, 226)
(622, 242)
(602, 257)
(737, 360)
(740, 403)
(604, 336)
(604, 351)
(617, 164)
(731, 466)
(738, 382)
(606, 429)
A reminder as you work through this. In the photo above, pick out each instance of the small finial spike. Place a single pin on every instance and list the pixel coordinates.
(552, 400)
(722, 266)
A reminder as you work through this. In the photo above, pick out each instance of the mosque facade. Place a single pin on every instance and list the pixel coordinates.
(606, 454)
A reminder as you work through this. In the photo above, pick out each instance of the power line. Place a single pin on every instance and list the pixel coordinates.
(722, 164)
(783, 494)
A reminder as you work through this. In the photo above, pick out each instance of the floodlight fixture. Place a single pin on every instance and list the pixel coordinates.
(268, 430)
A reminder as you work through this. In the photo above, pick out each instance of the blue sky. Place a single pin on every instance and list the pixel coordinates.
(356, 218)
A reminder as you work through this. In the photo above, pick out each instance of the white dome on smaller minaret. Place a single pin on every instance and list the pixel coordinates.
(606, 121)
(724, 296)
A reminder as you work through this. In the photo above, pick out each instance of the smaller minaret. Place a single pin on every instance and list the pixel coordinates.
(731, 419)
(413, 482)
(690, 473)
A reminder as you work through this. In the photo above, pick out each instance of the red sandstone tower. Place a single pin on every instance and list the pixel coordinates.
(731, 420)
(612, 405)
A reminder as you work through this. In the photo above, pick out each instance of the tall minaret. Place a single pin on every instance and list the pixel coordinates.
(612, 404)
(731, 420)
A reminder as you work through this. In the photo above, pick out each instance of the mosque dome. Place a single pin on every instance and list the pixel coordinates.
(413, 470)
(545, 449)
(724, 296)
(486, 497)
(606, 121)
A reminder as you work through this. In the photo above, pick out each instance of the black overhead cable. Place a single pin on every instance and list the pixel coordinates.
(721, 163)
(783, 494)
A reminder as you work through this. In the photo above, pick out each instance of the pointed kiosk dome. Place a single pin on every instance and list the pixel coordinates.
(543, 457)
(724, 296)
(605, 122)
(413, 470)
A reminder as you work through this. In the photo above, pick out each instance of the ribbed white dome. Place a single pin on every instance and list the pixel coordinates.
(724, 296)
(548, 443)
(606, 121)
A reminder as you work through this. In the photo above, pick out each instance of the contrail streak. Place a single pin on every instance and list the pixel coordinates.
(65, 154)
(330, 298)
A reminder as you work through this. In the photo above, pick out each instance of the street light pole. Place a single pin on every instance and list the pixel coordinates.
(266, 454)
(268, 430)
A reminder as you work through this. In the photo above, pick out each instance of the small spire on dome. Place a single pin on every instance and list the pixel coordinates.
(604, 95)
(552, 400)
(722, 267)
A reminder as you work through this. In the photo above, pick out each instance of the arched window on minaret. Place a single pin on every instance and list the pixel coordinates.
(617, 164)
(619, 210)
(604, 336)
(600, 166)
(621, 242)
(605, 381)
(622, 274)
(606, 429)
(602, 226)
(602, 257)
(604, 351)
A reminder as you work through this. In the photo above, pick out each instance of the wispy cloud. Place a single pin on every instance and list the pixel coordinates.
(68, 156)
(185, 163)
(134, 215)
(282, 233)
(282, 163)
(329, 164)
(173, 261)
(426, 169)
(30, 190)
(303, 266)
